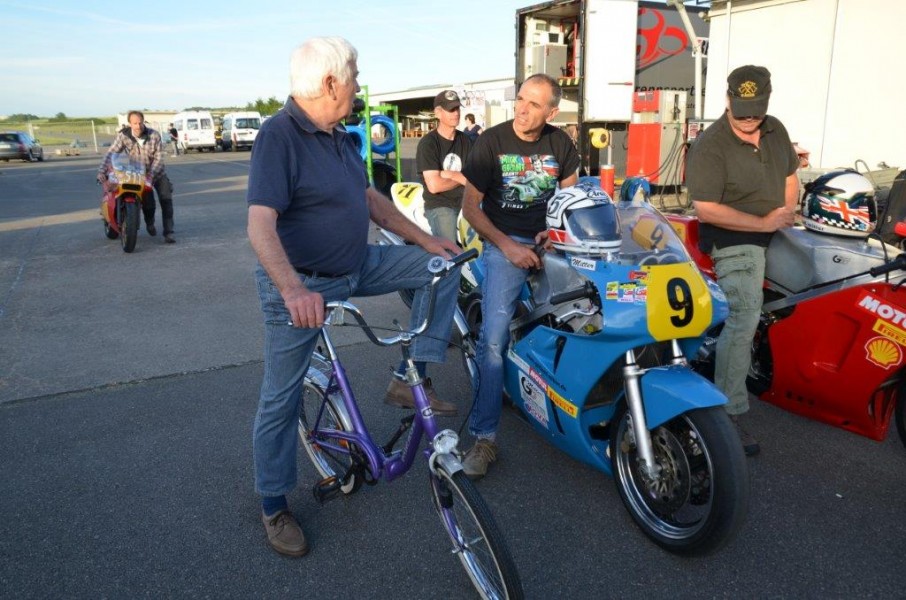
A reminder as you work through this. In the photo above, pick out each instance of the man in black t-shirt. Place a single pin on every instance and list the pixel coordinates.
(439, 160)
(513, 170)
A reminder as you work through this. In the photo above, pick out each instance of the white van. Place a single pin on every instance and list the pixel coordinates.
(239, 130)
(195, 129)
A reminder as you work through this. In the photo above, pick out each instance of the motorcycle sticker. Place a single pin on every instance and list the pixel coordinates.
(678, 302)
(533, 399)
(882, 352)
(582, 263)
(889, 317)
(634, 291)
(562, 403)
(517, 360)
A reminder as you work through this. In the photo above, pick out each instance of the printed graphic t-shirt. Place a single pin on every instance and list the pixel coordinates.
(517, 177)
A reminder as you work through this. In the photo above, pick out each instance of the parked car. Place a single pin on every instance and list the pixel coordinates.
(240, 130)
(19, 145)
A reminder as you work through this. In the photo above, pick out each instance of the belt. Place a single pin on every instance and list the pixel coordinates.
(312, 273)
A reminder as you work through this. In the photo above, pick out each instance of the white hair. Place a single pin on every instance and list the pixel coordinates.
(317, 58)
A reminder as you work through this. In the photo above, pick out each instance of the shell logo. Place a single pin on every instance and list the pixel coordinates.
(882, 352)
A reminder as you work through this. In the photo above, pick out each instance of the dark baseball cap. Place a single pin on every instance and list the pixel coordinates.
(447, 100)
(749, 88)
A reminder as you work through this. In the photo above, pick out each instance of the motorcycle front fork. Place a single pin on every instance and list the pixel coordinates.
(632, 373)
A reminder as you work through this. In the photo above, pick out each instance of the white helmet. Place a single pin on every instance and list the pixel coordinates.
(841, 203)
(582, 219)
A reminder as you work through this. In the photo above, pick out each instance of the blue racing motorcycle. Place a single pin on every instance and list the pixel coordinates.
(598, 365)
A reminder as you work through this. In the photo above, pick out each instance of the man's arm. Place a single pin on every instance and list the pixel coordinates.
(442, 181)
(386, 216)
(792, 192)
(729, 218)
(305, 307)
(157, 163)
(569, 181)
(521, 256)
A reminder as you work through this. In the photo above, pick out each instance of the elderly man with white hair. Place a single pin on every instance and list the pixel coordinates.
(309, 209)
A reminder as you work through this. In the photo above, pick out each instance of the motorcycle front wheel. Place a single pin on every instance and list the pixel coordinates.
(131, 215)
(699, 498)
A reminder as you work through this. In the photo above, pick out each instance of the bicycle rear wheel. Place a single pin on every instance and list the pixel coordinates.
(477, 541)
(328, 463)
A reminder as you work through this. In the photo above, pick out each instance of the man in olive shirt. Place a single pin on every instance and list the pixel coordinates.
(741, 177)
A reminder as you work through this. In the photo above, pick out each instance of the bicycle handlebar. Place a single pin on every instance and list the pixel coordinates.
(438, 266)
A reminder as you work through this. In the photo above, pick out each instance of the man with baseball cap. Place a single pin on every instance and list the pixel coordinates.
(741, 177)
(439, 160)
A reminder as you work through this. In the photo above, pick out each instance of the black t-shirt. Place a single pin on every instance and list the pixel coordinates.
(517, 177)
(436, 153)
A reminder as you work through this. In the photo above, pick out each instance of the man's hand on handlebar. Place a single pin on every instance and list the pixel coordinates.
(441, 246)
(306, 308)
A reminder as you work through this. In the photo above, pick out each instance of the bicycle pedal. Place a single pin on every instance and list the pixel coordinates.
(327, 489)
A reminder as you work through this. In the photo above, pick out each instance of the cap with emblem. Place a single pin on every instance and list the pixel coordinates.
(447, 100)
(749, 89)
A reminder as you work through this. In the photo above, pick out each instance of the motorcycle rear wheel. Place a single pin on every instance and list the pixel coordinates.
(700, 498)
(129, 227)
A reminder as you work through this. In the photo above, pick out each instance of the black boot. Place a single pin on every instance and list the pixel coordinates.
(168, 231)
(152, 230)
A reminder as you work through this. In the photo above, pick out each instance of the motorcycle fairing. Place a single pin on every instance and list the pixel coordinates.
(848, 372)
(552, 372)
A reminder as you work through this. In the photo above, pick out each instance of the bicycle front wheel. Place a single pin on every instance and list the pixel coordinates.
(477, 541)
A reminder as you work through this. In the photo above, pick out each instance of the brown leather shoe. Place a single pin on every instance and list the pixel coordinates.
(479, 457)
(399, 394)
(284, 534)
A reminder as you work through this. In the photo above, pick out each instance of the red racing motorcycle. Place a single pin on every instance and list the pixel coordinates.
(831, 343)
(121, 203)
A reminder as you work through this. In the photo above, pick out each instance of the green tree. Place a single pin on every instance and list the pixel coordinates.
(22, 117)
(265, 107)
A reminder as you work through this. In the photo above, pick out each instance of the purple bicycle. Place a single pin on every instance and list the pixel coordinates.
(344, 453)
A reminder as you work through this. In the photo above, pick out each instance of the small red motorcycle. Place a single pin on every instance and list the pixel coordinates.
(121, 203)
(831, 343)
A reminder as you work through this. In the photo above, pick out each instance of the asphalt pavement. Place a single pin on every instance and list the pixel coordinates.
(128, 385)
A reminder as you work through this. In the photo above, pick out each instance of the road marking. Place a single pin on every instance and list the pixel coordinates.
(73, 217)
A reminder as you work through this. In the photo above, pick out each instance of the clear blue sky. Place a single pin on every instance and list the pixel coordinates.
(98, 58)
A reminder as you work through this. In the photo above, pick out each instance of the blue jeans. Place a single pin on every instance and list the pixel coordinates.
(740, 274)
(500, 291)
(287, 349)
(443, 221)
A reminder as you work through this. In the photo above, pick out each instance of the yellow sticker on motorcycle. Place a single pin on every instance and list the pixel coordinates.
(679, 304)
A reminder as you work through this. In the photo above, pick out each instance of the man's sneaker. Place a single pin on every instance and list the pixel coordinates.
(152, 230)
(483, 453)
(400, 394)
(284, 534)
(749, 443)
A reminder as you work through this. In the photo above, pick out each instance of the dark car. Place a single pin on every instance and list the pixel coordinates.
(19, 145)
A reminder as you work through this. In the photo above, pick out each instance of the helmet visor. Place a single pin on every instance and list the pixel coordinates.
(595, 223)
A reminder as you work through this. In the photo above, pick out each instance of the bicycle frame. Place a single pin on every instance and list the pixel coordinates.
(380, 464)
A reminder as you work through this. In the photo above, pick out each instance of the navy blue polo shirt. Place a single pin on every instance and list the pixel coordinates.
(316, 182)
